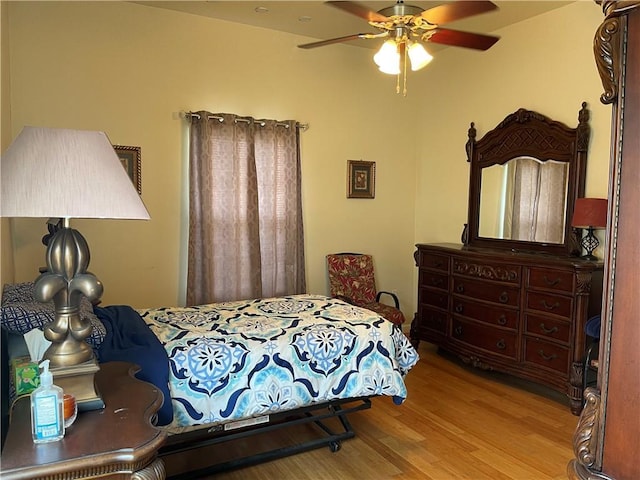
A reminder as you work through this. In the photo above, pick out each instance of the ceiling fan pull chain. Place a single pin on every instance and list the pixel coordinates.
(398, 76)
(404, 71)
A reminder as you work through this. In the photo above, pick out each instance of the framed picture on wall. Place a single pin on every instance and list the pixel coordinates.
(130, 159)
(361, 179)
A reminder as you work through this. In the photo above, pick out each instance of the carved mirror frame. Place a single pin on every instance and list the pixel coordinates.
(526, 133)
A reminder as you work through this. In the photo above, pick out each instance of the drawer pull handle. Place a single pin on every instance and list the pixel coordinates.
(548, 331)
(437, 264)
(436, 282)
(458, 331)
(501, 344)
(435, 319)
(504, 297)
(459, 308)
(502, 320)
(553, 356)
(549, 306)
(551, 283)
(460, 288)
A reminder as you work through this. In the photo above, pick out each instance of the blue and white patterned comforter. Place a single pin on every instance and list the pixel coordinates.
(235, 360)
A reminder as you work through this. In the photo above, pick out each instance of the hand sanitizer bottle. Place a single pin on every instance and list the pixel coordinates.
(47, 420)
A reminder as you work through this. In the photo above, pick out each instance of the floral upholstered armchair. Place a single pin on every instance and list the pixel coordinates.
(352, 279)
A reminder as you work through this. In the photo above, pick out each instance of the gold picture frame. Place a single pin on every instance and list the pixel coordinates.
(361, 179)
(130, 157)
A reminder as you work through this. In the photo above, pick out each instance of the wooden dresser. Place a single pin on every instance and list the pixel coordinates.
(520, 313)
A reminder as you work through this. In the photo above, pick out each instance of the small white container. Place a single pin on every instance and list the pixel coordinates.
(47, 419)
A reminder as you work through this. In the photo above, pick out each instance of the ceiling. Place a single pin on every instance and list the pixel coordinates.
(319, 21)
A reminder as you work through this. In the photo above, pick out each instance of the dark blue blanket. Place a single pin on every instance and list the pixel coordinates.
(592, 327)
(129, 339)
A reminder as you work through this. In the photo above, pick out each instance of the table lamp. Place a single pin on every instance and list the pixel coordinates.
(590, 213)
(61, 173)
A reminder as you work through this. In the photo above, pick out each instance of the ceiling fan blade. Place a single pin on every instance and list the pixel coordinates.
(331, 41)
(359, 10)
(457, 10)
(457, 38)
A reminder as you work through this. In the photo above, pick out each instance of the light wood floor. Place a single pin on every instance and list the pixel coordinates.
(456, 423)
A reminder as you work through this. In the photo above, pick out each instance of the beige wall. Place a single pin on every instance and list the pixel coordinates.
(128, 69)
(6, 250)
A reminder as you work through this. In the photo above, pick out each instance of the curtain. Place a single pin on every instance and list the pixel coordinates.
(245, 209)
(538, 191)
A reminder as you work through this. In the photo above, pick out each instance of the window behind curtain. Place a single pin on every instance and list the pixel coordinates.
(245, 209)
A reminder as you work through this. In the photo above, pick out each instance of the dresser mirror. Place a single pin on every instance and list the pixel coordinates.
(524, 179)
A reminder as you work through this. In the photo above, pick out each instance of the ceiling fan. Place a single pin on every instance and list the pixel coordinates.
(406, 26)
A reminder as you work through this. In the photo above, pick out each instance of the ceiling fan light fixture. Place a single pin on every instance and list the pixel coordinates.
(390, 69)
(418, 56)
(388, 58)
(402, 23)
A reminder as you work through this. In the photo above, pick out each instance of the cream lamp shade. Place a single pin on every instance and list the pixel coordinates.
(53, 172)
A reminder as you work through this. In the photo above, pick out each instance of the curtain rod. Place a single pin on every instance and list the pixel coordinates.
(301, 126)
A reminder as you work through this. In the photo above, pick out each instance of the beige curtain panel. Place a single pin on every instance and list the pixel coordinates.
(245, 209)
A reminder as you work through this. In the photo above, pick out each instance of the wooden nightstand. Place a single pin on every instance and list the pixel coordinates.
(116, 442)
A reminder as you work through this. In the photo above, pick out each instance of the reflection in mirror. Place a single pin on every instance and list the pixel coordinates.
(524, 199)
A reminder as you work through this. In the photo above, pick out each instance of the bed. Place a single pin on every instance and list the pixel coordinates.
(229, 370)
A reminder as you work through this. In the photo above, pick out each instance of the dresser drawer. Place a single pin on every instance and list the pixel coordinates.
(546, 354)
(503, 317)
(434, 261)
(487, 270)
(432, 319)
(477, 289)
(433, 279)
(550, 303)
(546, 327)
(494, 340)
(546, 278)
(435, 298)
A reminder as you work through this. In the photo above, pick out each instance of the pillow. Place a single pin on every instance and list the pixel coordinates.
(21, 312)
(18, 292)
